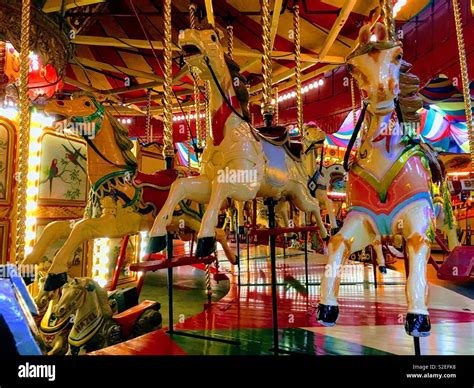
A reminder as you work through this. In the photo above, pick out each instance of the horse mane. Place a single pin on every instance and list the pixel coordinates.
(410, 100)
(123, 141)
(240, 89)
(102, 297)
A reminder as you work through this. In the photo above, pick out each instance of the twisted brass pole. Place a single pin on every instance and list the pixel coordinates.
(230, 41)
(354, 109)
(464, 78)
(197, 80)
(276, 106)
(168, 149)
(297, 42)
(386, 8)
(148, 135)
(267, 106)
(24, 134)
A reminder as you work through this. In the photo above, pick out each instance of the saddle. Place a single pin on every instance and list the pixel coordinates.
(279, 136)
(158, 179)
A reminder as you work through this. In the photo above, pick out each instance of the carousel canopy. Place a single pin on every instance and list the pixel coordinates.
(112, 53)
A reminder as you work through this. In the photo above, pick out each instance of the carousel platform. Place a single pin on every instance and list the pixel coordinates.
(370, 322)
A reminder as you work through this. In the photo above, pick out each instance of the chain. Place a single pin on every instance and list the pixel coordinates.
(24, 135)
(276, 105)
(297, 43)
(207, 108)
(353, 99)
(230, 41)
(148, 136)
(168, 150)
(267, 107)
(464, 78)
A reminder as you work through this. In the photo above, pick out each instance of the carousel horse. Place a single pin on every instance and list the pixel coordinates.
(389, 182)
(122, 199)
(95, 326)
(264, 161)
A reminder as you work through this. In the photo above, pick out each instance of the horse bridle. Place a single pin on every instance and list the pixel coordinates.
(359, 126)
(98, 114)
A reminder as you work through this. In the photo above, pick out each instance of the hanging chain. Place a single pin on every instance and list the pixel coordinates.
(267, 107)
(464, 78)
(353, 100)
(207, 108)
(148, 135)
(168, 150)
(297, 43)
(276, 105)
(24, 133)
(230, 41)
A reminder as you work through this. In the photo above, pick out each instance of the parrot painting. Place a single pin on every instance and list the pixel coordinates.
(53, 172)
(74, 155)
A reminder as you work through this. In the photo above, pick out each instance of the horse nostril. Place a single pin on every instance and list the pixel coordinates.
(60, 103)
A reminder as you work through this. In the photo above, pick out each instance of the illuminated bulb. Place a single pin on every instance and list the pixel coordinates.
(373, 38)
(310, 86)
(30, 235)
(32, 191)
(33, 176)
(30, 222)
(31, 206)
(321, 82)
(34, 161)
(293, 94)
(35, 147)
(36, 132)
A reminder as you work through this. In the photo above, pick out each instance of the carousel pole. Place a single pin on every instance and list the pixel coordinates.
(24, 135)
(267, 106)
(197, 80)
(230, 41)
(297, 43)
(148, 135)
(464, 78)
(168, 148)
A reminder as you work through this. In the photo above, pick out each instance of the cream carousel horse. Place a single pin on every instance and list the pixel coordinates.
(388, 188)
(267, 165)
(122, 200)
(95, 326)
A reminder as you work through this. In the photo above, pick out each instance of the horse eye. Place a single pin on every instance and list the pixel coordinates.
(87, 103)
(399, 57)
(214, 38)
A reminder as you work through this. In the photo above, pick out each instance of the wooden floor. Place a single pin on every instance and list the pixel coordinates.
(370, 322)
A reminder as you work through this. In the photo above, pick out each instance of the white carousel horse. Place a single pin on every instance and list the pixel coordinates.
(122, 201)
(388, 188)
(266, 165)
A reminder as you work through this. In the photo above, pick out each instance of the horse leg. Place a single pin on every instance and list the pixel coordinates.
(239, 205)
(306, 203)
(206, 235)
(418, 250)
(377, 245)
(222, 239)
(196, 188)
(53, 232)
(332, 217)
(108, 225)
(356, 233)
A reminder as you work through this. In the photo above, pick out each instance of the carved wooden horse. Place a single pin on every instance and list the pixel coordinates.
(388, 188)
(267, 165)
(122, 200)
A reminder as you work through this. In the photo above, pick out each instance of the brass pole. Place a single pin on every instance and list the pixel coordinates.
(24, 135)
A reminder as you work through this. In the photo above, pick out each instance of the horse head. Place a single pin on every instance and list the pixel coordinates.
(313, 134)
(202, 49)
(82, 115)
(376, 67)
(334, 175)
(72, 298)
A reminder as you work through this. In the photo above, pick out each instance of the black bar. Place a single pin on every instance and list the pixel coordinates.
(270, 202)
(238, 245)
(169, 251)
(306, 261)
(416, 342)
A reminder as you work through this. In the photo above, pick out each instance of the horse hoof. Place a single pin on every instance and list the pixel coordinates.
(417, 325)
(242, 230)
(205, 246)
(54, 281)
(156, 244)
(382, 269)
(335, 230)
(326, 239)
(327, 315)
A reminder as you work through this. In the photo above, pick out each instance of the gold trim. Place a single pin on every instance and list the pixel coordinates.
(382, 186)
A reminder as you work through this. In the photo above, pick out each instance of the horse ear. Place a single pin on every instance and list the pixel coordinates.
(364, 35)
(381, 32)
(99, 97)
